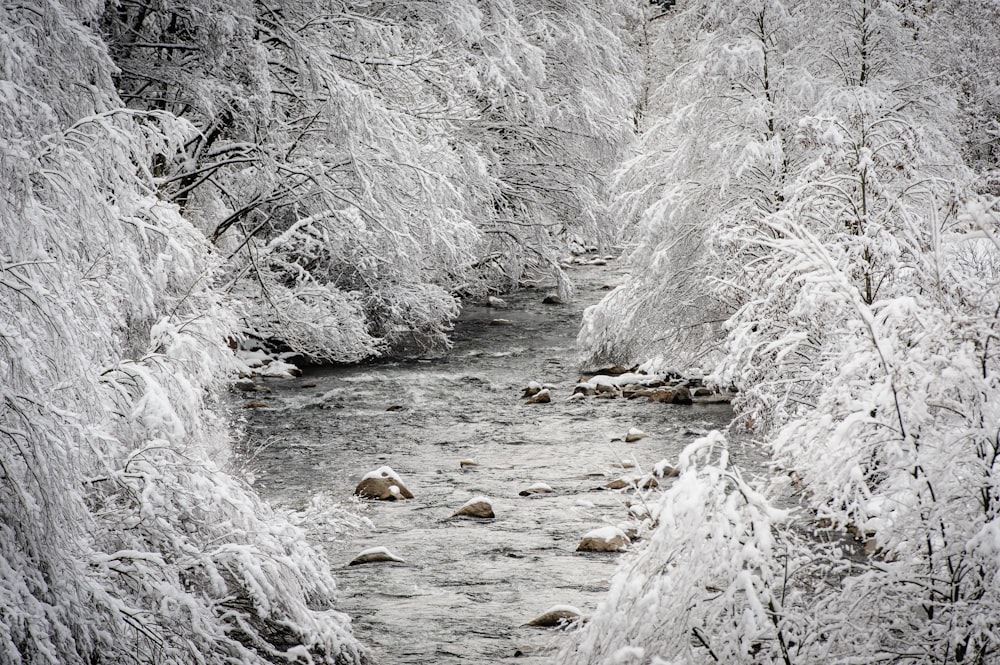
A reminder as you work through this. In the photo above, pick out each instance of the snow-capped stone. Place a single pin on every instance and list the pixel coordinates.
(467, 462)
(533, 388)
(604, 539)
(552, 299)
(634, 434)
(497, 303)
(644, 482)
(501, 322)
(382, 484)
(537, 488)
(541, 397)
(557, 616)
(479, 506)
(664, 469)
(375, 555)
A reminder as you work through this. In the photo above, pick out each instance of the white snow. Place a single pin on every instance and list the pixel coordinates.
(606, 533)
(384, 472)
(381, 549)
(477, 499)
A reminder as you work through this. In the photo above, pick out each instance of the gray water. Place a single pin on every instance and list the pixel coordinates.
(468, 586)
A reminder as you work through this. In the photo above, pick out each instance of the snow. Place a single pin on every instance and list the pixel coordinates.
(384, 472)
(606, 533)
(477, 499)
(563, 608)
(380, 549)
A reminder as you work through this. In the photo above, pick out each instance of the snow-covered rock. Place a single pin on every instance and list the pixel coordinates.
(537, 488)
(557, 616)
(375, 555)
(497, 303)
(644, 482)
(604, 539)
(382, 484)
(634, 434)
(533, 388)
(541, 397)
(480, 507)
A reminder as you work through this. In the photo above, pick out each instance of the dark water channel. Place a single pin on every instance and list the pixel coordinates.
(467, 587)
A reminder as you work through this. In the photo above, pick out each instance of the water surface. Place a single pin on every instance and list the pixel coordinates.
(468, 586)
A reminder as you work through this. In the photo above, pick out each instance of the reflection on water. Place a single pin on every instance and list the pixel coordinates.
(467, 586)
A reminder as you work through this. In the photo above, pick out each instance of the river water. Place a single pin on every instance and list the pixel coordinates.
(468, 586)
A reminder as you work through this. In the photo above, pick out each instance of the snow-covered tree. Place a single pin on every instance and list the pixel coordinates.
(861, 334)
(716, 153)
(121, 537)
(360, 165)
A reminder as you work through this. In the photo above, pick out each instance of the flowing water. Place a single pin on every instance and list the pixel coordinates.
(468, 586)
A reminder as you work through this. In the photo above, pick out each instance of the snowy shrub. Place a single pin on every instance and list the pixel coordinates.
(715, 582)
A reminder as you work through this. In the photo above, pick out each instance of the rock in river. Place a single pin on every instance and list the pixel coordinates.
(634, 434)
(541, 397)
(537, 488)
(605, 539)
(382, 484)
(375, 555)
(533, 388)
(479, 506)
(557, 616)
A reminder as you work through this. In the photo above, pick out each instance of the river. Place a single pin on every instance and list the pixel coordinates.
(467, 586)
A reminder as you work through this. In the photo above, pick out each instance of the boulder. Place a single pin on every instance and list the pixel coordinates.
(496, 303)
(375, 555)
(634, 434)
(703, 392)
(384, 485)
(501, 322)
(608, 390)
(537, 488)
(605, 539)
(465, 463)
(541, 397)
(585, 389)
(533, 388)
(557, 616)
(664, 469)
(675, 395)
(479, 507)
(643, 482)
(552, 299)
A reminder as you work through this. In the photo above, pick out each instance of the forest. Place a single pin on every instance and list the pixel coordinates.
(807, 195)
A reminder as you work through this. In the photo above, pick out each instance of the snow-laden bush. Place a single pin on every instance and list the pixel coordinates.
(121, 538)
(715, 580)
